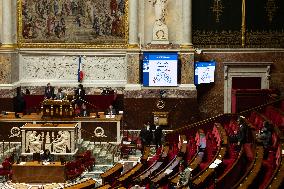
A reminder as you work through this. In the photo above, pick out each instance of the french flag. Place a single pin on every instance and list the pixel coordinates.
(80, 72)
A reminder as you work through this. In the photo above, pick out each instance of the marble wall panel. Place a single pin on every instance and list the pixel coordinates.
(155, 93)
(66, 68)
(5, 68)
(187, 68)
(133, 72)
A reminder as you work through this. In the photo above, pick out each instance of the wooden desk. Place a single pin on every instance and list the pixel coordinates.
(34, 172)
(57, 109)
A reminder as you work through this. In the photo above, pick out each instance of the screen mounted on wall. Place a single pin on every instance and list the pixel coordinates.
(204, 72)
(160, 69)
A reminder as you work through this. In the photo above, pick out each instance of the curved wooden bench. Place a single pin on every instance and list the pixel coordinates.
(154, 167)
(112, 173)
(172, 167)
(252, 173)
(122, 180)
(222, 181)
(209, 172)
(90, 183)
(175, 178)
(106, 186)
(278, 181)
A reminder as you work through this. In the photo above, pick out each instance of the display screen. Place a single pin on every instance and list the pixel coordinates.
(160, 69)
(204, 72)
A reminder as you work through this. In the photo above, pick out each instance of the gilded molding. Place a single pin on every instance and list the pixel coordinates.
(243, 23)
(8, 46)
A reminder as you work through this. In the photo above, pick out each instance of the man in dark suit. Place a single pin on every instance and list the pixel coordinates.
(158, 136)
(49, 92)
(19, 102)
(46, 156)
(80, 95)
(146, 136)
(110, 111)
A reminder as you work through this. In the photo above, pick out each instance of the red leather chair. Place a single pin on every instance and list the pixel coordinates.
(6, 169)
(71, 171)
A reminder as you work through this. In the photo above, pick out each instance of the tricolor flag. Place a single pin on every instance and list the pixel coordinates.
(80, 72)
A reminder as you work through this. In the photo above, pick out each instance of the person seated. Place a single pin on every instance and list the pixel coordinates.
(49, 92)
(110, 110)
(84, 110)
(46, 156)
(202, 141)
(184, 174)
(60, 94)
(265, 135)
(77, 110)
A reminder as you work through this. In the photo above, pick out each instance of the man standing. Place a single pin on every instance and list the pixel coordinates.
(145, 136)
(80, 94)
(158, 136)
(49, 92)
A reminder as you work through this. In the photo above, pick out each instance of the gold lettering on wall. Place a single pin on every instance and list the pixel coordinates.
(271, 9)
(217, 9)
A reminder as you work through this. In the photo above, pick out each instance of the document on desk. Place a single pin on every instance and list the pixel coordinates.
(168, 171)
(22, 163)
(45, 163)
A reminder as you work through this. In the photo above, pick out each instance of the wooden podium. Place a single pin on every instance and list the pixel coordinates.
(54, 109)
(160, 118)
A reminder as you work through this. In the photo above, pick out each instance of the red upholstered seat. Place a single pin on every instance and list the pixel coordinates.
(6, 169)
(270, 162)
(249, 152)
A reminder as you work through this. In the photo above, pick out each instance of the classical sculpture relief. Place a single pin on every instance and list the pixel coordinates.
(62, 142)
(33, 142)
(160, 28)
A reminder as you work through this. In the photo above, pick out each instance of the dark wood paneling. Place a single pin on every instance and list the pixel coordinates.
(6, 104)
(109, 129)
(181, 111)
(7, 135)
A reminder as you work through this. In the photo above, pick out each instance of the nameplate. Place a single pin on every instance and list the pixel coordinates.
(110, 116)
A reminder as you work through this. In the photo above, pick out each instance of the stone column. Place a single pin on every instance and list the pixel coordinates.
(1, 26)
(187, 69)
(72, 140)
(187, 23)
(23, 141)
(133, 69)
(7, 31)
(133, 23)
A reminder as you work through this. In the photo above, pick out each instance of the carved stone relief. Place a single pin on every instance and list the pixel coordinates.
(66, 68)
